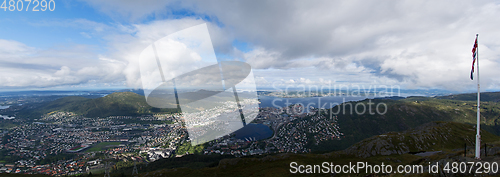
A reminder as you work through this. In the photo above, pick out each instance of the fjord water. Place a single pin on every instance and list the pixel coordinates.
(254, 132)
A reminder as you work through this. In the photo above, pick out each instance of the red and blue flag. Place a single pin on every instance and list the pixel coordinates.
(474, 54)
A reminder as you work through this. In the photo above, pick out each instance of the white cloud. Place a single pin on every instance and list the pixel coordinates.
(259, 58)
(128, 47)
(10, 48)
(416, 44)
(22, 66)
(84, 34)
(422, 44)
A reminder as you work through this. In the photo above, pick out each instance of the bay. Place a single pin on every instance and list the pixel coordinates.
(254, 132)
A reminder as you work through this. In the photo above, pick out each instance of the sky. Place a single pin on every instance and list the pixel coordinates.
(95, 44)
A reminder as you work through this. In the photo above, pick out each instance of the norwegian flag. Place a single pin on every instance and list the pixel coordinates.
(474, 53)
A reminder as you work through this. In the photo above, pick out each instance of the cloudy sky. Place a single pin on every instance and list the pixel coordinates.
(95, 44)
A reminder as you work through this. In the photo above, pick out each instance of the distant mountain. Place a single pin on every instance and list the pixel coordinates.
(485, 96)
(115, 104)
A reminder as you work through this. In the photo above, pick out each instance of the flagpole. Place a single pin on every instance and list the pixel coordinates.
(478, 135)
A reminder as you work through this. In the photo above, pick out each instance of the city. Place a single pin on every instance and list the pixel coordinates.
(63, 143)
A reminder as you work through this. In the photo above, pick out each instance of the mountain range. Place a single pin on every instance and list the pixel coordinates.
(115, 104)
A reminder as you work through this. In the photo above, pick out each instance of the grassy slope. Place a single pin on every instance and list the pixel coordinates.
(408, 113)
(432, 136)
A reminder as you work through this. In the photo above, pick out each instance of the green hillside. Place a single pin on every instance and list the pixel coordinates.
(115, 104)
(434, 136)
(407, 113)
